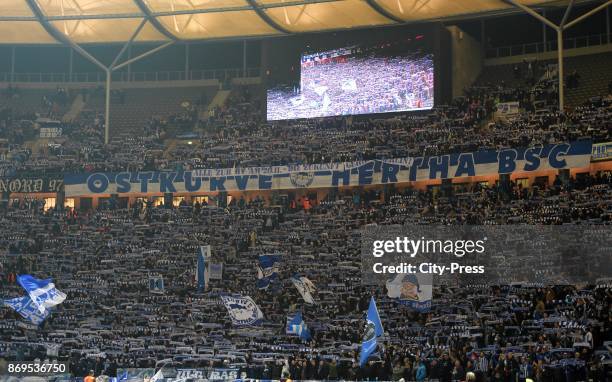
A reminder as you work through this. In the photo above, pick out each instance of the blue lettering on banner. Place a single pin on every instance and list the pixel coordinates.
(144, 180)
(557, 152)
(418, 162)
(358, 173)
(532, 156)
(345, 176)
(465, 165)
(165, 182)
(97, 183)
(438, 165)
(365, 174)
(241, 181)
(217, 183)
(123, 182)
(265, 182)
(507, 161)
(189, 186)
(389, 173)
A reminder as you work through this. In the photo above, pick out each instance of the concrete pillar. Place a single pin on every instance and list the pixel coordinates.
(560, 63)
(70, 64)
(13, 64)
(544, 32)
(187, 76)
(107, 107)
(244, 58)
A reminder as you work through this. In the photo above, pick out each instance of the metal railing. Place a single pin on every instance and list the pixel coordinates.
(550, 46)
(94, 77)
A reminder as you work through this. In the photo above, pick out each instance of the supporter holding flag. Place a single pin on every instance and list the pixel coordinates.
(267, 270)
(27, 309)
(373, 330)
(203, 275)
(305, 287)
(120, 378)
(42, 292)
(158, 376)
(242, 310)
(297, 325)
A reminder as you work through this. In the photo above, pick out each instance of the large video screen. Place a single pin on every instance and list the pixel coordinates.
(356, 80)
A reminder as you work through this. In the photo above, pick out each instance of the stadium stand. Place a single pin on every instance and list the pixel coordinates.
(593, 77)
(112, 312)
(102, 258)
(134, 107)
(39, 102)
(128, 262)
(592, 70)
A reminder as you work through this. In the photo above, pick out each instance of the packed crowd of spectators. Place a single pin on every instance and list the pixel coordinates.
(103, 259)
(236, 135)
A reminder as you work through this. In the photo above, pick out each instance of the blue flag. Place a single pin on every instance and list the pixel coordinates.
(203, 274)
(267, 270)
(120, 378)
(42, 292)
(27, 309)
(297, 325)
(373, 330)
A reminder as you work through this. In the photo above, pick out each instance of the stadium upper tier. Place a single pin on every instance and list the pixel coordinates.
(108, 21)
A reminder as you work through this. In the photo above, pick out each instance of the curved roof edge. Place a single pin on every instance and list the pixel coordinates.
(109, 21)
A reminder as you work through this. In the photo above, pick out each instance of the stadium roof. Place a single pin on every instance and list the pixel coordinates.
(108, 21)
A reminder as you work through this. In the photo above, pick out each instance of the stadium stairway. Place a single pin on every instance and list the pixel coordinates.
(219, 99)
(75, 109)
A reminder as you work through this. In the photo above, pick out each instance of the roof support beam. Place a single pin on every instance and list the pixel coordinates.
(559, 31)
(67, 41)
(568, 10)
(18, 18)
(128, 43)
(378, 8)
(60, 37)
(102, 16)
(154, 21)
(141, 56)
(108, 70)
(264, 16)
(200, 11)
(588, 14)
(533, 14)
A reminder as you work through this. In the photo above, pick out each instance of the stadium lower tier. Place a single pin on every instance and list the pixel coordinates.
(134, 298)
